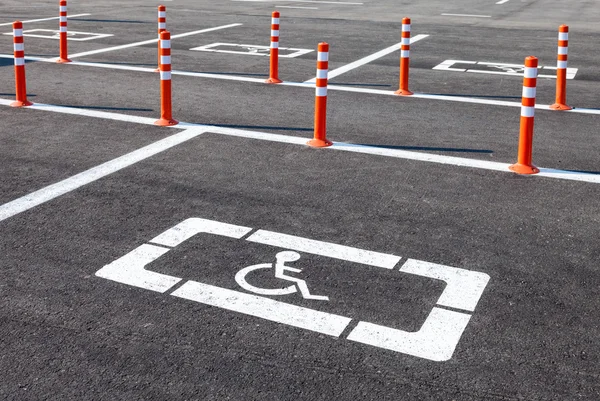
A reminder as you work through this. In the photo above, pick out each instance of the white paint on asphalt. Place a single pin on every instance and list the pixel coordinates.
(467, 15)
(463, 287)
(191, 227)
(130, 270)
(55, 34)
(264, 308)
(349, 67)
(502, 1)
(147, 42)
(342, 3)
(436, 340)
(327, 249)
(515, 70)
(252, 50)
(46, 19)
(298, 7)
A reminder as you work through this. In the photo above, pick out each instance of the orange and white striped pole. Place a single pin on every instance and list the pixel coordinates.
(524, 165)
(166, 116)
(274, 63)
(19, 48)
(404, 59)
(162, 26)
(561, 70)
(64, 52)
(320, 135)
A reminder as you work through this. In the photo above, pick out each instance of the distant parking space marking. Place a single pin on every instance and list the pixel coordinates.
(467, 15)
(341, 3)
(502, 1)
(45, 19)
(436, 340)
(55, 34)
(150, 41)
(365, 60)
(251, 50)
(515, 70)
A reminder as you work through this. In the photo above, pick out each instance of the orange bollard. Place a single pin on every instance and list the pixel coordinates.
(523, 165)
(162, 26)
(404, 59)
(19, 48)
(166, 117)
(320, 136)
(64, 53)
(274, 64)
(561, 70)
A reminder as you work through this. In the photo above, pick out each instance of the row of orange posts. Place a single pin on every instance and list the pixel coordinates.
(524, 161)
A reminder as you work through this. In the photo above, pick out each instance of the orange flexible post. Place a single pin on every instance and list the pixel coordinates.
(404, 59)
(19, 49)
(274, 62)
(64, 52)
(162, 26)
(524, 164)
(320, 135)
(561, 70)
(166, 117)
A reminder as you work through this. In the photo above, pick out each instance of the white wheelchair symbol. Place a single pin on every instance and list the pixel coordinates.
(280, 272)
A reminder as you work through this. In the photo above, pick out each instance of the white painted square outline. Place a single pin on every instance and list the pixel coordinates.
(210, 48)
(92, 36)
(436, 340)
(447, 66)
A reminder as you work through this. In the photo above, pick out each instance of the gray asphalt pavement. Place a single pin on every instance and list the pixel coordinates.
(146, 263)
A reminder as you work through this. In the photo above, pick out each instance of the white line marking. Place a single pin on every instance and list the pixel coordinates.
(129, 269)
(327, 249)
(191, 227)
(344, 3)
(147, 42)
(348, 147)
(463, 287)
(70, 184)
(71, 36)
(467, 15)
(365, 60)
(252, 50)
(265, 308)
(46, 19)
(436, 340)
(459, 99)
(502, 1)
(304, 8)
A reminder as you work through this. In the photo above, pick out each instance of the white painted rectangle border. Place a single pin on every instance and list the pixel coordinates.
(55, 35)
(211, 48)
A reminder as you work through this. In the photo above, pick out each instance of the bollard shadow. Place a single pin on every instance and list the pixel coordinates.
(475, 96)
(584, 172)
(117, 21)
(14, 94)
(104, 108)
(426, 148)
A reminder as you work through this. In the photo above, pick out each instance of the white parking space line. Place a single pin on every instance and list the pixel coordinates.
(53, 191)
(467, 15)
(147, 42)
(349, 67)
(459, 99)
(304, 8)
(46, 19)
(265, 308)
(502, 1)
(325, 249)
(343, 3)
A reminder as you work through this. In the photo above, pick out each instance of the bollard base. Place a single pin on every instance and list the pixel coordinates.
(63, 60)
(273, 81)
(560, 106)
(403, 92)
(157, 70)
(524, 169)
(319, 143)
(163, 122)
(19, 103)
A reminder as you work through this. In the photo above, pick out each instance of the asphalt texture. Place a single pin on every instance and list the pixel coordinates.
(67, 334)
